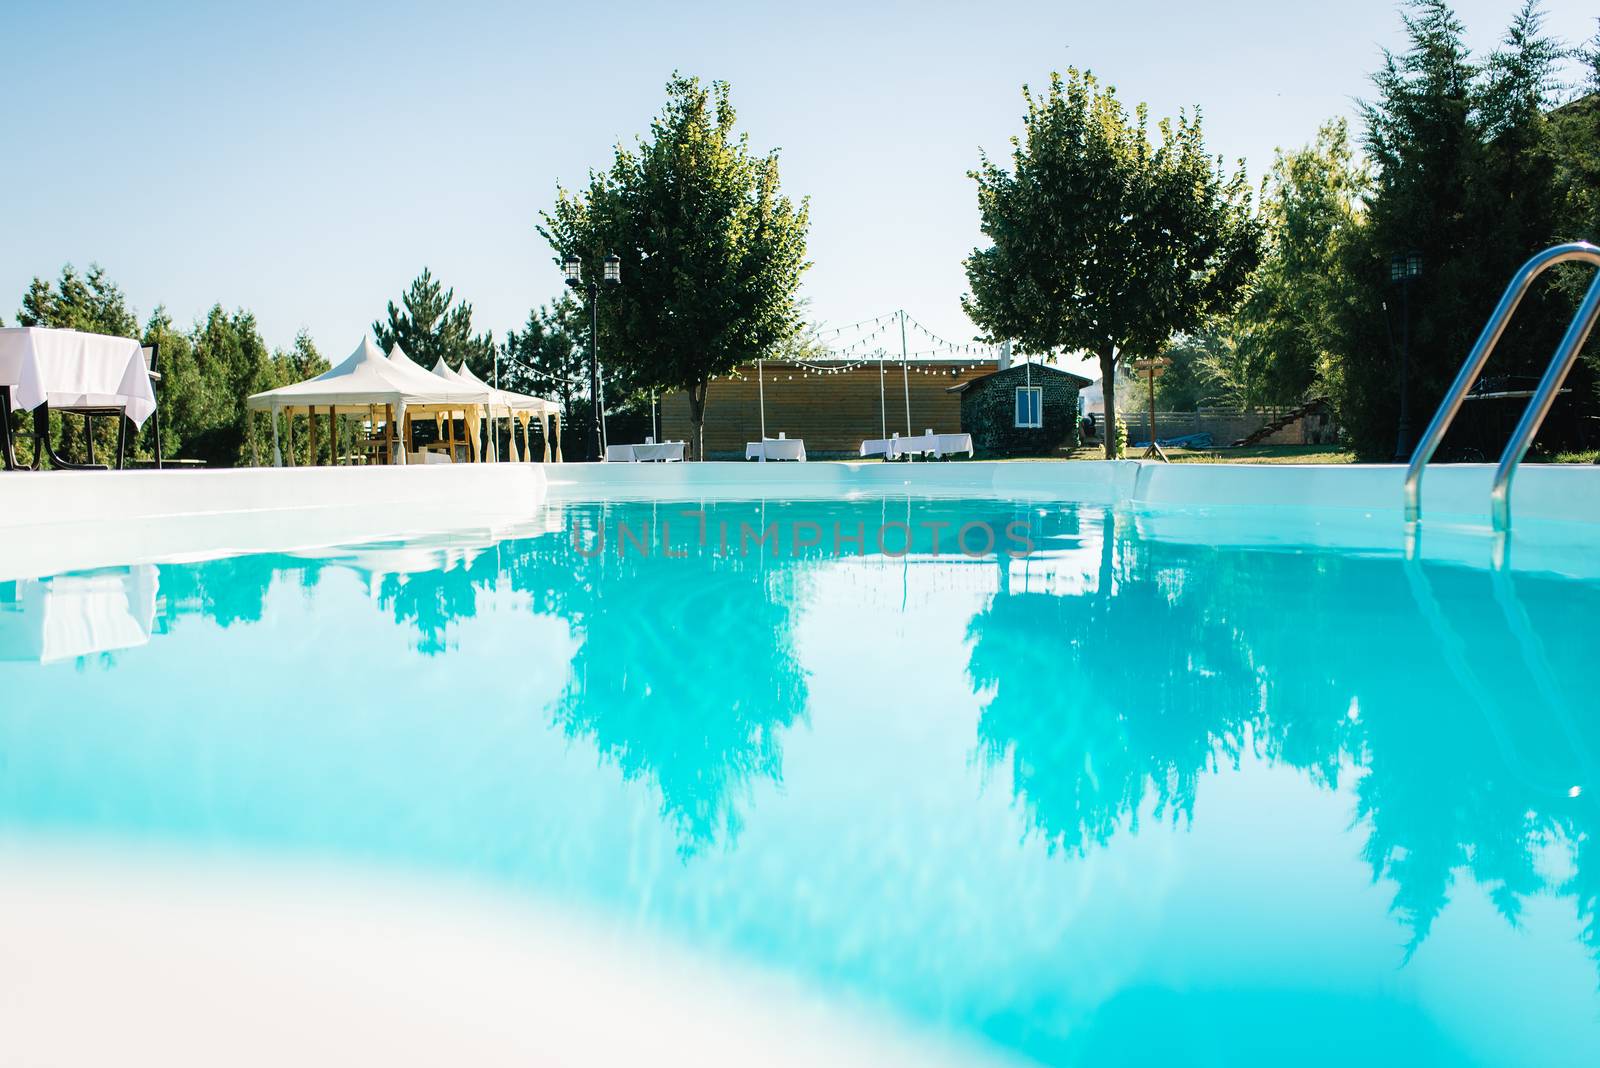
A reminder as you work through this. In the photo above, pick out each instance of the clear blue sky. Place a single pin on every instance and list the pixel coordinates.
(305, 161)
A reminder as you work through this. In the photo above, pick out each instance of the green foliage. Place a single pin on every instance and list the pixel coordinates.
(232, 362)
(91, 303)
(300, 362)
(1102, 240)
(1282, 343)
(712, 251)
(1464, 172)
(1119, 440)
(182, 394)
(206, 372)
(549, 357)
(1184, 387)
(430, 325)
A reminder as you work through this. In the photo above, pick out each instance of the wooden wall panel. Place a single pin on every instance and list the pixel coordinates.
(832, 413)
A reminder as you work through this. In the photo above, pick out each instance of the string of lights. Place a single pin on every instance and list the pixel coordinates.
(867, 347)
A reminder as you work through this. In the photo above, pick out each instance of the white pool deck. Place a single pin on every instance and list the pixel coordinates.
(55, 521)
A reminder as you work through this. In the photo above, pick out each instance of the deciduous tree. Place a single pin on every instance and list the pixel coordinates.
(712, 250)
(1103, 239)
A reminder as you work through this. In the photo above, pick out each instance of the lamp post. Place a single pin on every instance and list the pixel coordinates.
(1404, 268)
(573, 268)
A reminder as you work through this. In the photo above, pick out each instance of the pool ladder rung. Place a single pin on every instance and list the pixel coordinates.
(1538, 407)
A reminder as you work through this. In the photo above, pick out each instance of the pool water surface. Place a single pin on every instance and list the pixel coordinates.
(1023, 773)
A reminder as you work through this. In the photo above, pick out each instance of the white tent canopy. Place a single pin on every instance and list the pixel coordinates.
(365, 380)
(367, 377)
(506, 404)
(504, 399)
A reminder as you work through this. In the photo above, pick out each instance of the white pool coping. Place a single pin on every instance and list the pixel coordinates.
(55, 521)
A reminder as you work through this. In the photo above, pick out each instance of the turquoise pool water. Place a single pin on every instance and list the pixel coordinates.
(1118, 799)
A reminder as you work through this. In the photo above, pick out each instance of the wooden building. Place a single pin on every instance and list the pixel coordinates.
(833, 405)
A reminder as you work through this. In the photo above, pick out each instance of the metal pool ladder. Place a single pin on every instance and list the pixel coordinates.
(1538, 407)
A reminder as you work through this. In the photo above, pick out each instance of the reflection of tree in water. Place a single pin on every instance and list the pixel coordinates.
(1103, 702)
(430, 600)
(687, 671)
(228, 590)
(1091, 708)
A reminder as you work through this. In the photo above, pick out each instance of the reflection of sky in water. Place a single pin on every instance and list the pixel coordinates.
(1122, 800)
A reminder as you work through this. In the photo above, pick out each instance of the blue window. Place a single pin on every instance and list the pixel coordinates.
(1030, 406)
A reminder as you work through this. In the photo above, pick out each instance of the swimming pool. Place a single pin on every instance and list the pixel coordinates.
(1075, 783)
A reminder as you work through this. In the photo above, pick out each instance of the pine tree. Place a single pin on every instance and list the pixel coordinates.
(1463, 175)
(430, 325)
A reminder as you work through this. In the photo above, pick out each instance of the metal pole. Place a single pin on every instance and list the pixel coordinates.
(1152, 389)
(883, 404)
(654, 432)
(761, 394)
(905, 374)
(594, 372)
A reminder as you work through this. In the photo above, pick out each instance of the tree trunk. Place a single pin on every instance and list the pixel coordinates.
(697, 421)
(1108, 386)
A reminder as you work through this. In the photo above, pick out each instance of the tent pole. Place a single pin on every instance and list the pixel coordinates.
(905, 373)
(277, 454)
(883, 403)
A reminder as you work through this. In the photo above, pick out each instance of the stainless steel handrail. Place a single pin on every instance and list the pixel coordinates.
(1521, 438)
(1538, 407)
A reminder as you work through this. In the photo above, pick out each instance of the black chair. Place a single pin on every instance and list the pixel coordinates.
(8, 451)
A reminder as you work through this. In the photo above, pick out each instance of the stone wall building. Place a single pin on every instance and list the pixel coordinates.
(1024, 410)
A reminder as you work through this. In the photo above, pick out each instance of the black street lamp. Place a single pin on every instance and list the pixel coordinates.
(1405, 268)
(573, 269)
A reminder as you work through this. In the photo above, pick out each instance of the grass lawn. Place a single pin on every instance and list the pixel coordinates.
(1269, 454)
(1254, 454)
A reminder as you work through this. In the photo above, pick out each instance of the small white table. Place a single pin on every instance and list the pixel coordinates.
(776, 449)
(649, 452)
(68, 369)
(938, 445)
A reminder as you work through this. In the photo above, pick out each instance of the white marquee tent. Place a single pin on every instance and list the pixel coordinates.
(506, 404)
(369, 384)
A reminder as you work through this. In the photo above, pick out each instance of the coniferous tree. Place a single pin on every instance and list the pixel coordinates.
(1462, 175)
(430, 325)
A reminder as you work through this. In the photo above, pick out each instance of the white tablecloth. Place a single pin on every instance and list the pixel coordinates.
(667, 451)
(922, 444)
(78, 615)
(69, 369)
(776, 449)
